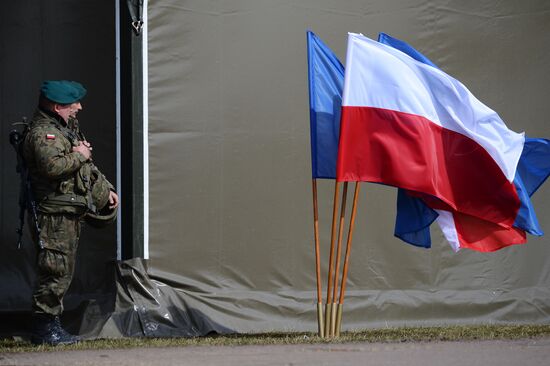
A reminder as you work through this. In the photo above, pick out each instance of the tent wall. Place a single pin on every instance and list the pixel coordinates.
(230, 224)
(230, 212)
(56, 39)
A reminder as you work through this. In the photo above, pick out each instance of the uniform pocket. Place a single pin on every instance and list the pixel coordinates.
(52, 262)
(59, 232)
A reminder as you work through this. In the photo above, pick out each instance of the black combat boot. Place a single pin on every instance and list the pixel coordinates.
(64, 333)
(46, 330)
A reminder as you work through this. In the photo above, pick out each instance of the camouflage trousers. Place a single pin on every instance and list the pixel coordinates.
(55, 263)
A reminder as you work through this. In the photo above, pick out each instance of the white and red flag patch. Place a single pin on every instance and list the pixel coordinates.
(50, 136)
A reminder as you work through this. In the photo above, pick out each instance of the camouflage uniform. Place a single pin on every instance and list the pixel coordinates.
(61, 181)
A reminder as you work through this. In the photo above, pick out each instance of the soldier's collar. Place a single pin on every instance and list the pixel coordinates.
(54, 115)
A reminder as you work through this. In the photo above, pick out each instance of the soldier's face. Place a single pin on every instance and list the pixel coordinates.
(67, 111)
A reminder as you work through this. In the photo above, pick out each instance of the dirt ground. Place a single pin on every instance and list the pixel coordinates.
(483, 353)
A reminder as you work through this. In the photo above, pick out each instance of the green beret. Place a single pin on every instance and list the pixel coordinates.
(63, 91)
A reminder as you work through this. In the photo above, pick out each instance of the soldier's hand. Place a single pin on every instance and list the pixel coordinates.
(113, 200)
(84, 148)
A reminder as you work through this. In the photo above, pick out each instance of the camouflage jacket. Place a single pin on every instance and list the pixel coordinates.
(61, 179)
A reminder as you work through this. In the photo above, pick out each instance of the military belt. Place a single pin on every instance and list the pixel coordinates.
(63, 203)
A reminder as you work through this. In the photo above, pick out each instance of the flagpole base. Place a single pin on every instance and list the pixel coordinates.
(333, 320)
(328, 312)
(339, 319)
(320, 324)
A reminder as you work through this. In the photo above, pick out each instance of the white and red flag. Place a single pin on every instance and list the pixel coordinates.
(410, 125)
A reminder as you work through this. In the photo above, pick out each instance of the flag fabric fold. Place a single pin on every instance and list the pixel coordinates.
(413, 220)
(326, 80)
(533, 170)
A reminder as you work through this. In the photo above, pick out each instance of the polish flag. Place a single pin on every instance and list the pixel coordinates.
(408, 124)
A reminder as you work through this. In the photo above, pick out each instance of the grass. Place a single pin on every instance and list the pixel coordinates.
(419, 334)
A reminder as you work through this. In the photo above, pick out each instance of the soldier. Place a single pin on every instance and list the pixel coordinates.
(67, 187)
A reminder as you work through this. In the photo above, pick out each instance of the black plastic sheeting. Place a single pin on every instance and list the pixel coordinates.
(137, 306)
(145, 307)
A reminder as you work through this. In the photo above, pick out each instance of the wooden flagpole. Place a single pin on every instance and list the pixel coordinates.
(328, 307)
(320, 326)
(346, 261)
(338, 258)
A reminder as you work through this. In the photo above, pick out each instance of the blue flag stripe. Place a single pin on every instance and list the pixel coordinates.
(326, 81)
